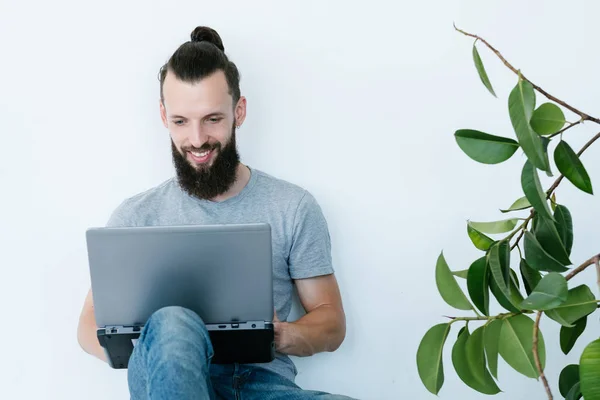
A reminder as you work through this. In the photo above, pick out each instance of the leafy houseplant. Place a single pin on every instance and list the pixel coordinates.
(543, 239)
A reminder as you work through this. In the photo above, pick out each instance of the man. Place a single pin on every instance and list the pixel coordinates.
(201, 106)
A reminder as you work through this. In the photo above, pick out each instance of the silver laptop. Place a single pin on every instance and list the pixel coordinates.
(221, 272)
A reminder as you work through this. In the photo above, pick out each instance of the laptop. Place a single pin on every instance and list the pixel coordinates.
(222, 272)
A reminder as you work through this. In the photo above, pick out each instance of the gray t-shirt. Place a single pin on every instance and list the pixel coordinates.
(301, 243)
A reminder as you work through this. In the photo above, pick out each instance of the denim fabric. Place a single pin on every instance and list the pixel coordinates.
(171, 360)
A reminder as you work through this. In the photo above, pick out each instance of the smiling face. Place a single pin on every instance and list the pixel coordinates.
(201, 119)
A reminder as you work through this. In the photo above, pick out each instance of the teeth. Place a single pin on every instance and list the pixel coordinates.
(203, 154)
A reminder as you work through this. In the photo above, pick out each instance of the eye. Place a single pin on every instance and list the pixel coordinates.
(178, 122)
(215, 120)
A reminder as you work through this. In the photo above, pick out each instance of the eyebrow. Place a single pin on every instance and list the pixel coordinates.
(215, 114)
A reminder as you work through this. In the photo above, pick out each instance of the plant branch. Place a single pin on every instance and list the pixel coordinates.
(566, 128)
(594, 260)
(536, 326)
(588, 144)
(560, 178)
(536, 355)
(598, 270)
(518, 239)
(480, 318)
(522, 229)
(584, 116)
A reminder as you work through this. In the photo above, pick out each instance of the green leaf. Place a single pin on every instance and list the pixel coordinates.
(548, 294)
(448, 287)
(477, 284)
(569, 164)
(537, 258)
(495, 227)
(461, 274)
(521, 103)
(530, 276)
(548, 237)
(547, 119)
(568, 336)
(580, 302)
(569, 376)
(508, 302)
(460, 362)
(545, 144)
(499, 264)
(515, 279)
(589, 371)
(519, 204)
(575, 392)
(429, 357)
(511, 299)
(485, 148)
(491, 338)
(564, 226)
(530, 182)
(516, 345)
(481, 71)
(502, 285)
(465, 368)
(476, 357)
(481, 241)
(515, 294)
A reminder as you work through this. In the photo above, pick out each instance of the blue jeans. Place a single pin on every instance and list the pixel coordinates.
(172, 360)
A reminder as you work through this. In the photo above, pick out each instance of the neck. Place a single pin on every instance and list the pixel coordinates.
(242, 177)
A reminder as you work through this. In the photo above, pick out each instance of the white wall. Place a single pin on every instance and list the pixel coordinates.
(356, 101)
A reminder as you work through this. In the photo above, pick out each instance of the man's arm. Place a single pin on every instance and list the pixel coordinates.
(86, 331)
(323, 328)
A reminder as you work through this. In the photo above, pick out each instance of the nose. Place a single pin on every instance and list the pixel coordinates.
(197, 136)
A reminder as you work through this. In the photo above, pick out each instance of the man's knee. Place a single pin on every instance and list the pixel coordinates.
(176, 315)
(177, 322)
(175, 338)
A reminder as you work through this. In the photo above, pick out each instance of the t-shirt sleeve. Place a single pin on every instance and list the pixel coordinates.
(310, 253)
(120, 217)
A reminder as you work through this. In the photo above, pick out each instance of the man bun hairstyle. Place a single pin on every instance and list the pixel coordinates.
(206, 34)
(199, 58)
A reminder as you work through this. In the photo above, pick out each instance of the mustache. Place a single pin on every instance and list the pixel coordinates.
(204, 147)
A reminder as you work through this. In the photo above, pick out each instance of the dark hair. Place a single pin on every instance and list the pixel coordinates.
(199, 58)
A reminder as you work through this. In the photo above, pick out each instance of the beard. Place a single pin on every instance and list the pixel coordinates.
(208, 181)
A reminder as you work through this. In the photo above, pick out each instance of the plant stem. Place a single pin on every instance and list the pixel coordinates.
(598, 270)
(564, 129)
(517, 241)
(584, 116)
(560, 178)
(536, 356)
(549, 192)
(521, 228)
(594, 260)
(536, 326)
(480, 318)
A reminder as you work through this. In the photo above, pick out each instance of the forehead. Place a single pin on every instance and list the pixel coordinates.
(209, 95)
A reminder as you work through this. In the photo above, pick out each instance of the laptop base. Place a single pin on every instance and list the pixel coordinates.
(243, 343)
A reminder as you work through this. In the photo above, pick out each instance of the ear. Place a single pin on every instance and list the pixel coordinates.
(163, 114)
(240, 111)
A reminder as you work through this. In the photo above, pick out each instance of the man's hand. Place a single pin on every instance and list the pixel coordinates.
(323, 328)
(279, 335)
(284, 334)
